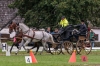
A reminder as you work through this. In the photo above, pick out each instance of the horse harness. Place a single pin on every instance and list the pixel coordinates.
(28, 31)
(23, 35)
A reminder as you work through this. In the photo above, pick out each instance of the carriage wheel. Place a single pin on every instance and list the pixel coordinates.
(78, 47)
(68, 46)
(59, 38)
(83, 45)
(88, 47)
(56, 49)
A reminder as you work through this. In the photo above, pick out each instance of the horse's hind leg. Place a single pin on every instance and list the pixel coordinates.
(31, 49)
(44, 48)
(37, 45)
(48, 46)
(42, 51)
(11, 47)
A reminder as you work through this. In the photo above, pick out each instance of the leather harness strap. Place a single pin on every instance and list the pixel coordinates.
(33, 35)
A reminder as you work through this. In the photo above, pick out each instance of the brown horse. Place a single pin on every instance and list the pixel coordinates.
(18, 37)
(12, 27)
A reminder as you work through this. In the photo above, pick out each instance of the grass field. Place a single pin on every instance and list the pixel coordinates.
(49, 60)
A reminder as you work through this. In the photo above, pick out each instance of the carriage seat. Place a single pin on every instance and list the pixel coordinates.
(82, 37)
(82, 34)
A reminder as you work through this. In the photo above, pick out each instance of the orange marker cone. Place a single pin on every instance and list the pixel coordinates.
(33, 57)
(73, 57)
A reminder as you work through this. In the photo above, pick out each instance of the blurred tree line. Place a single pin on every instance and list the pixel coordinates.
(43, 13)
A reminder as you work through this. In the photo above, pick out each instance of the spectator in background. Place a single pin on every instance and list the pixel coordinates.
(90, 25)
(55, 31)
(48, 30)
(55, 34)
(92, 37)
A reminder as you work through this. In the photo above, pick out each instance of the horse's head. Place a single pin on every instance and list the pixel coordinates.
(13, 27)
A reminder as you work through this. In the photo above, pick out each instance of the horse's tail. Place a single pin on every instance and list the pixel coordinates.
(51, 39)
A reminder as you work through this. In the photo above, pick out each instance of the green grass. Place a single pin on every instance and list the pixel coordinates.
(49, 60)
(9, 43)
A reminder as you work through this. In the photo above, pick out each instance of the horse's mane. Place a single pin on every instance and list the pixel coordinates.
(24, 26)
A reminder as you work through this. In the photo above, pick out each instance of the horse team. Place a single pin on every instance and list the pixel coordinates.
(25, 35)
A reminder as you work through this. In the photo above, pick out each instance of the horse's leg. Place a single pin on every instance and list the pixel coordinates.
(11, 47)
(44, 47)
(26, 43)
(49, 48)
(17, 45)
(37, 45)
(31, 48)
(20, 45)
(49, 44)
(42, 51)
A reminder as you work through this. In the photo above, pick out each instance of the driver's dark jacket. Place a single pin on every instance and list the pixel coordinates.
(82, 29)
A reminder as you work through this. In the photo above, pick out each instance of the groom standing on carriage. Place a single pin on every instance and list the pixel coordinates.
(82, 29)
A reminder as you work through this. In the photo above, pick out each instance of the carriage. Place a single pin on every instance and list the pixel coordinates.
(67, 42)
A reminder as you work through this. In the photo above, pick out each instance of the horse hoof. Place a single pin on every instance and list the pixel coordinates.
(35, 53)
(28, 50)
(48, 51)
(40, 53)
(15, 53)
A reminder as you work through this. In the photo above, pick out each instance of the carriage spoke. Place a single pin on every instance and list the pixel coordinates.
(68, 47)
(88, 47)
(85, 46)
(56, 48)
